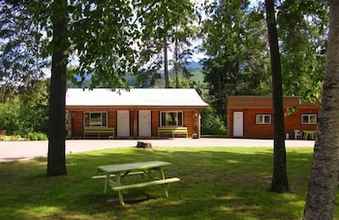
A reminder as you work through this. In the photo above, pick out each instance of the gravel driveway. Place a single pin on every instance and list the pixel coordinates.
(17, 150)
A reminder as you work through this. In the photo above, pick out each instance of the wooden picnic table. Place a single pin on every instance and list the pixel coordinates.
(114, 173)
(310, 134)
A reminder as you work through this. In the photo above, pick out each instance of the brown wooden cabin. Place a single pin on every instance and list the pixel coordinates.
(251, 116)
(137, 113)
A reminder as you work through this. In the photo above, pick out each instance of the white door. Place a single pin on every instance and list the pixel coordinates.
(123, 123)
(145, 129)
(238, 124)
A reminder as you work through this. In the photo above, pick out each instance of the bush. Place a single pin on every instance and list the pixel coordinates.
(212, 123)
(11, 138)
(31, 136)
(10, 116)
(26, 112)
(36, 136)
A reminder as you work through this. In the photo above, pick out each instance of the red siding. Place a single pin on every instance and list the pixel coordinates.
(155, 122)
(190, 119)
(253, 130)
(112, 120)
(77, 121)
(189, 122)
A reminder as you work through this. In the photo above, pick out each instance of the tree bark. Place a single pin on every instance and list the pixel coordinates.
(56, 163)
(320, 200)
(279, 177)
(167, 83)
(176, 65)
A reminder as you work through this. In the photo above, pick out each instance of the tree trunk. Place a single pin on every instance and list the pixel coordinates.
(167, 83)
(320, 201)
(176, 65)
(57, 134)
(279, 177)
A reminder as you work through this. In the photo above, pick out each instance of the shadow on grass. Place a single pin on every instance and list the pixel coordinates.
(216, 184)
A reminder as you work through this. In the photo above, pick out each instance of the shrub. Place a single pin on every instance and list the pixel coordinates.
(212, 123)
(36, 136)
(11, 138)
(26, 112)
(10, 116)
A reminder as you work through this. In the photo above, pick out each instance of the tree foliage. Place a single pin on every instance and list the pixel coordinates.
(303, 27)
(164, 25)
(27, 111)
(21, 49)
(101, 37)
(235, 43)
(98, 33)
(212, 123)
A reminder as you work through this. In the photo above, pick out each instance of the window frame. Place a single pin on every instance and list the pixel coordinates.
(308, 116)
(89, 119)
(263, 121)
(177, 116)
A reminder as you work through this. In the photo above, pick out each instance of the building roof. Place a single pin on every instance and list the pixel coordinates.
(134, 97)
(241, 102)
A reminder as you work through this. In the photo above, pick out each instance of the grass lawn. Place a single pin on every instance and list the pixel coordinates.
(217, 183)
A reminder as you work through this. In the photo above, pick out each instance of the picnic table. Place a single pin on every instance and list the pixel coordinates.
(309, 134)
(115, 173)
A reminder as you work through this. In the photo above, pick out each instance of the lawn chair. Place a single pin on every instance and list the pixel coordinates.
(298, 134)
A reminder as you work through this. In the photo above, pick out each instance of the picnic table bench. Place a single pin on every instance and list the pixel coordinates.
(113, 175)
(173, 131)
(98, 131)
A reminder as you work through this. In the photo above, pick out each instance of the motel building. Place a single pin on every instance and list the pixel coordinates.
(251, 117)
(137, 113)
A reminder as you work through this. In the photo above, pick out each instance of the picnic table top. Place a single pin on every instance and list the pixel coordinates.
(115, 168)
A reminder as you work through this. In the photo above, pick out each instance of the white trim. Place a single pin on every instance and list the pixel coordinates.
(262, 122)
(177, 125)
(308, 117)
(90, 112)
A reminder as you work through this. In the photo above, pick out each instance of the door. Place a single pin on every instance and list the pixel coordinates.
(238, 124)
(145, 129)
(123, 124)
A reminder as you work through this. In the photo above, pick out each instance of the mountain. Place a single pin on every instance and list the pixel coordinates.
(193, 66)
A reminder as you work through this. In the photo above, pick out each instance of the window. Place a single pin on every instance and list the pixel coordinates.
(96, 119)
(309, 118)
(171, 119)
(261, 119)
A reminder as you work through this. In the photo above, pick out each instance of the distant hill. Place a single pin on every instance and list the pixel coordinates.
(193, 66)
(196, 70)
(198, 76)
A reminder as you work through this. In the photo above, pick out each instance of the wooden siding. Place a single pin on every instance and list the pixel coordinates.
(77, 123)
(190, 119)
(257, 101)
(112, 120)
(253, 130)
(189, 122)
(155, 122)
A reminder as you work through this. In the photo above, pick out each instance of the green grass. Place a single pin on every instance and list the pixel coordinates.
(217, 183)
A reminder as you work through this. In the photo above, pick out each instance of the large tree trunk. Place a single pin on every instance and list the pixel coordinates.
(279, 177)
(167, 83)
(320, 201)
(57, 134)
